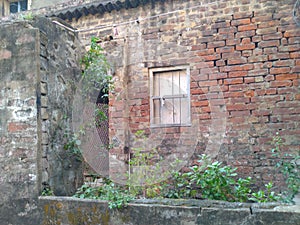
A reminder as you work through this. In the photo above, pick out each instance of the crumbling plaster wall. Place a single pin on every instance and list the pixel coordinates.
(19, 148)
(38, 72)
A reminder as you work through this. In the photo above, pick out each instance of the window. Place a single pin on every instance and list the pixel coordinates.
(18, 6)
(170, 96)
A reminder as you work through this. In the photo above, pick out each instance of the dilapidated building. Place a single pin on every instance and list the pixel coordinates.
(219, 78)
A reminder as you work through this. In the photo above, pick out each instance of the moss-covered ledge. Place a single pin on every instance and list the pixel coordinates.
(73, 211)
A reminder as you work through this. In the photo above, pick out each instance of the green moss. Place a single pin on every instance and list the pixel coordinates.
(105, 218)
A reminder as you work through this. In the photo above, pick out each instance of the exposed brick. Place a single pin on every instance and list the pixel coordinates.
(289, 48)
(215, 44)
(200, 103)
(5, 54)
(258, 72)
(204, 65)
(205, 52)
(233, 81)
(269, 91)
(245, 46)
(296, 69)
(237, 74)
(268, 30)
(220, 25)
(294, 40)
(274, 36)
(286, 77)
(284, 41)
(292, 33)
(207, 83)
(230, 55)
(243, 67)
(208, 32)
(256, 38)
(225, 49)
(233, 41)
(258, 58)
(242, 34)
(283, 28)
(247, 27)
(281, 63)
(267, 24)
(238, 22)
(285, 83)
(270, 50)
(279, 56)
(227, 30)
(294, 55)
(236, 107)
(241, 15)
(257, 51)
(222, 63)
(269, 77)
(259, 19)
(235, 94)
(17, 127)
(247, 53)
(237, 61)
(240, 113)
(271, 43)
(212, 57)
(214, 76)
(280, 70)
(198, 47)
(248, 80)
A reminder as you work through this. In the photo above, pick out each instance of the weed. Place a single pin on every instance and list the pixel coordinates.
(289, 166)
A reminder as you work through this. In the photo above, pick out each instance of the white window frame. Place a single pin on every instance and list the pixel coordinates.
(153, 72)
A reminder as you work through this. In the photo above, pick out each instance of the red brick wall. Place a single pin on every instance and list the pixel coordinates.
(244, 60)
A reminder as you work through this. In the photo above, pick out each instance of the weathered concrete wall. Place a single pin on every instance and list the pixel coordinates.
(244, 61)
(70, 211)
(60, 71)
(38, 69)
(19, 77)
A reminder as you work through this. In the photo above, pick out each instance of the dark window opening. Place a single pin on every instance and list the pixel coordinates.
(18, 6)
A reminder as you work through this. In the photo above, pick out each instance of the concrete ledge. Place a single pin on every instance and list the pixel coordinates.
(73, 211)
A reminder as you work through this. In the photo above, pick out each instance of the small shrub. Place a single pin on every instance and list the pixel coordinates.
(288, 164)
(115, 195)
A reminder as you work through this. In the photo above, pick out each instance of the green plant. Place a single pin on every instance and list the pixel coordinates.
(145, 173)
(115, 195)
(73, 146)
(212, 180)
(95, 74)
(218, 182)
(265, 196)
(47, 192)
(288, 164)
(27, 16)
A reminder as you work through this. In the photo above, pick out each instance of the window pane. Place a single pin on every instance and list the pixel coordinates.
(156, 85)
(166, 86)
(13, 7)
(183, 82)
(177, 110)
(156, 111)
(184, 110)
(167, 111)
(23, 5)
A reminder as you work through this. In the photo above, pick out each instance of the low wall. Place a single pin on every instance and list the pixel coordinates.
(71, 211)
